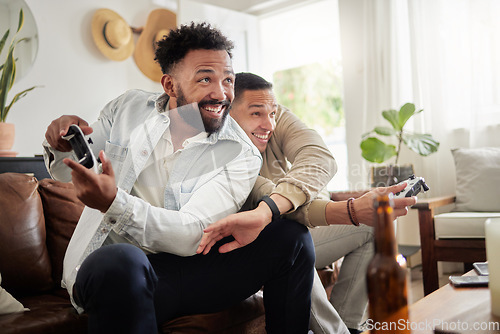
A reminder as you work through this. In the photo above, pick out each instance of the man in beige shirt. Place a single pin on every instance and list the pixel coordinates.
(297, 166)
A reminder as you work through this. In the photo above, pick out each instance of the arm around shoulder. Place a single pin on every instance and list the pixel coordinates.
(312, 164)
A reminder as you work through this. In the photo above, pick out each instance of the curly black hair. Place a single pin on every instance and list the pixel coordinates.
(196, 36)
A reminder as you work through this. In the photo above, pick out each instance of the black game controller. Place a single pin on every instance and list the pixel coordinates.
(413, 187)
(81, 147)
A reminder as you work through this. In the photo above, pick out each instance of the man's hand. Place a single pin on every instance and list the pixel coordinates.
(59, 127)
(363, 206)
(96, 191)
(245, 227)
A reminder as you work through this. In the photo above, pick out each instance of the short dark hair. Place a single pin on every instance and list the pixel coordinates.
(248, 81)
(196, 36)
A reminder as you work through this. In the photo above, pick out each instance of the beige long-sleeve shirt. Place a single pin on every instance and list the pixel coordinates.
(297, 165)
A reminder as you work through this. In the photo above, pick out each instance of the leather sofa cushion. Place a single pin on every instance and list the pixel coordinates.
(49, 313)
(24, 259)
(62, 209)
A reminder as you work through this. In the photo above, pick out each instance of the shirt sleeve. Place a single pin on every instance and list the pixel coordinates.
(179, 232)
(312, 214)
(312, 164)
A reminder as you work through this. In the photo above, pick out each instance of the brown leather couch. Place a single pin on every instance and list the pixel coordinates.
(37, 219)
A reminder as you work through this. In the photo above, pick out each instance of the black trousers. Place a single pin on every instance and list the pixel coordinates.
(125, 291)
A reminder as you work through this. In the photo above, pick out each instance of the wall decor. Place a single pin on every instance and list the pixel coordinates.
(159, 23)
(112, 35)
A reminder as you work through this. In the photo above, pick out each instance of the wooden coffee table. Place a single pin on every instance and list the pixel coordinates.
(454, 310)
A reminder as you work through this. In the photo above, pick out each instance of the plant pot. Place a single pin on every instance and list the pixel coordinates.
(383, 176)
(7, 134)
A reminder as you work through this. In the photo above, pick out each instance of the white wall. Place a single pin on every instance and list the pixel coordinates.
(76, 77)
(242, 29)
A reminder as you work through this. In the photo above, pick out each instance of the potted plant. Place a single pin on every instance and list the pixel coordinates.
(375, 150)
(7, 79)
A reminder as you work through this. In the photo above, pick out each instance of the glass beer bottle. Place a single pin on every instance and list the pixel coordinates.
(386, 276)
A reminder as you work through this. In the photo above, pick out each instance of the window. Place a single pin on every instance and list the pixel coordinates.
(301, 56)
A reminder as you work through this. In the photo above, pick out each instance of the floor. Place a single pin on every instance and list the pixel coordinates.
(416, 289)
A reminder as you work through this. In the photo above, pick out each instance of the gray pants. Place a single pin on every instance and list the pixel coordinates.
(349, 296)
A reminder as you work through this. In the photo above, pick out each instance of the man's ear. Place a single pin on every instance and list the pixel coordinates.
(168, 85)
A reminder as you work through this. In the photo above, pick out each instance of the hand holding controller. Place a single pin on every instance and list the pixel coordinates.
(81, 147)
(413, 187)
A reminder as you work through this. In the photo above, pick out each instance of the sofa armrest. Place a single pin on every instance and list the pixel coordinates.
(426, 216)
(428, 237)
(434, 202)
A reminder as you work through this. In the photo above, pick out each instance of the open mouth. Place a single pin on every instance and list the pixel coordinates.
(215, 110)
(262, 137)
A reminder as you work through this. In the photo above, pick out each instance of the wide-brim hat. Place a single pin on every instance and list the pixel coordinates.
(159, 24)
(112, 35)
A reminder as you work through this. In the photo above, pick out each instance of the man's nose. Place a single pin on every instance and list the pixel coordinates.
(219, 92)
(268, 124)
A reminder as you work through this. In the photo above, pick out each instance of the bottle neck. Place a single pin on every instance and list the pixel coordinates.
(385, 238)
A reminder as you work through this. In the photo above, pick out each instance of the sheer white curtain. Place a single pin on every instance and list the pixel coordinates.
(455, 52)
(443, 55)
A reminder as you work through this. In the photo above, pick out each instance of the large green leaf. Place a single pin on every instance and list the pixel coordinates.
(393, 117)
(406, 111)
(423, 144)
(385, 131)
(375, 150)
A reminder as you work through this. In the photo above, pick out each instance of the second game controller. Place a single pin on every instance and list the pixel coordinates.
(413, 187)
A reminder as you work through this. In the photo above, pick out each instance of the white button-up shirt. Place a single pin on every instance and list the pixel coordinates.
(210, 178)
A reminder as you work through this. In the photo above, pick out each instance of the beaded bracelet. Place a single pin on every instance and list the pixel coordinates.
(350, 211)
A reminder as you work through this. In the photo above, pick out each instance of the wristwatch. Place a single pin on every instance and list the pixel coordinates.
(274, 208)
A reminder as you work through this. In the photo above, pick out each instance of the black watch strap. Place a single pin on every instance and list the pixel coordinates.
(274, 208)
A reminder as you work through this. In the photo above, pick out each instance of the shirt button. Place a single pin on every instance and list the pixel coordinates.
(144, 152)
(112, 221)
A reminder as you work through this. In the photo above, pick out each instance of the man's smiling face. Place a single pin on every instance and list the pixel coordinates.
(207, 78)
(255, 112)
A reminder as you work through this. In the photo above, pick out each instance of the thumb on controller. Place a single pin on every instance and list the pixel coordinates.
(107, 168)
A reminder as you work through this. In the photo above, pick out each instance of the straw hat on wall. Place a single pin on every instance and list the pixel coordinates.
(112, 35)
(159, 23)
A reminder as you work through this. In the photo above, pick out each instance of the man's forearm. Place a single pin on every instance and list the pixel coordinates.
(284, 205)
(336, 213)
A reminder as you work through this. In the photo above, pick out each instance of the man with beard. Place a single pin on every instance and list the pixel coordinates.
(172, 164)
